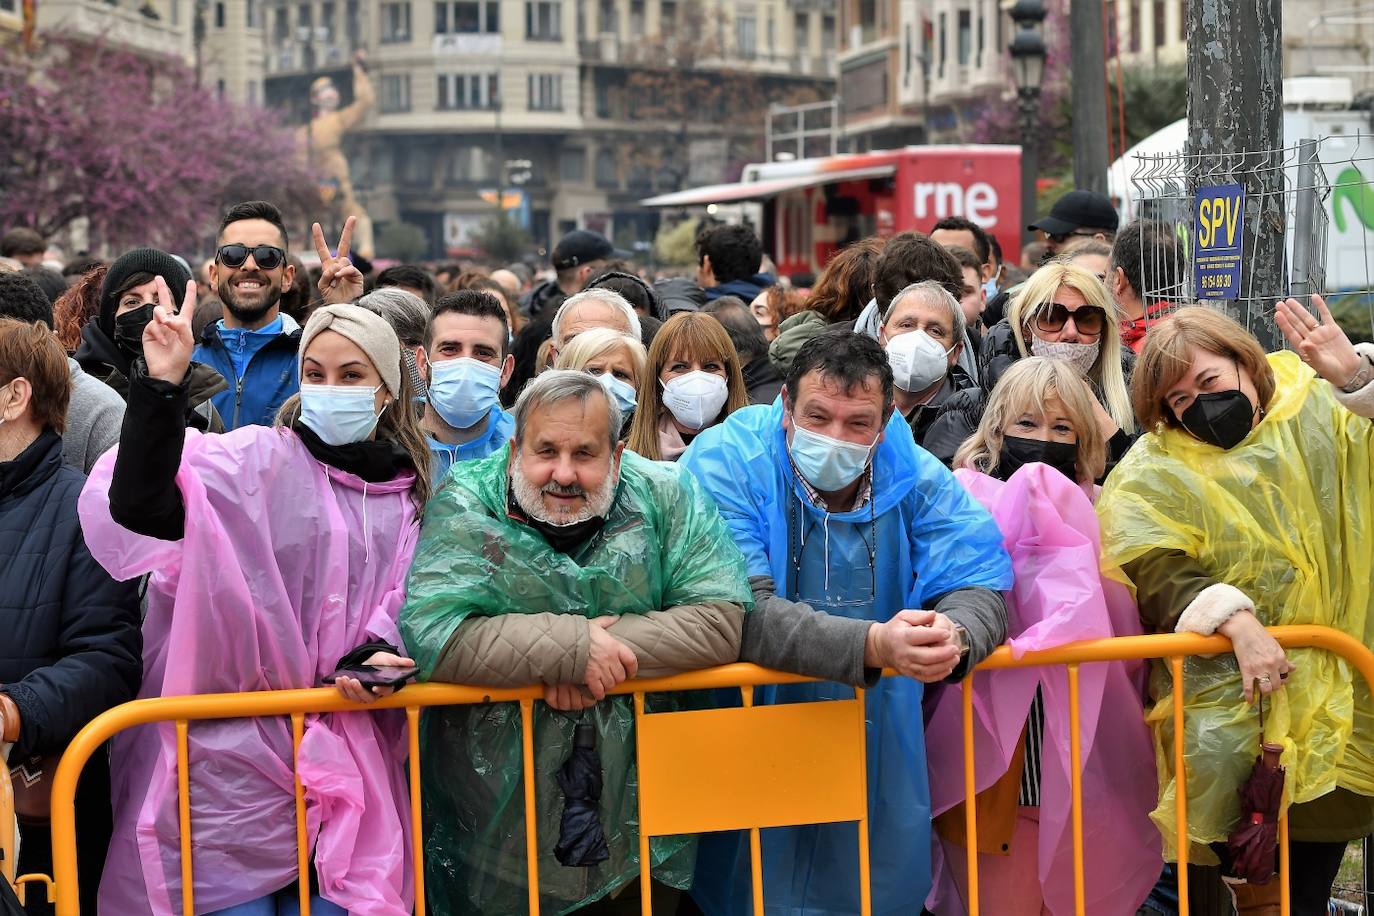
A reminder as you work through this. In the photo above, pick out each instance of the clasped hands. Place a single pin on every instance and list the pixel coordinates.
(923, 645)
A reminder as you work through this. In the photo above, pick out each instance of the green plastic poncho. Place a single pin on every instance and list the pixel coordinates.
(1284, 517)
(664, 544)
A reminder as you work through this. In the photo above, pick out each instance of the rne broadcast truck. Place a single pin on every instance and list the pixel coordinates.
(807, 209)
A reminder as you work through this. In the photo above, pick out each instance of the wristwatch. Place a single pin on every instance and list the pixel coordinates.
(1361, 376)
(961, 635)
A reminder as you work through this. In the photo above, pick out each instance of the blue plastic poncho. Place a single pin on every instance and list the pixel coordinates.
(663, 545)
(500, 426)
(920, 537)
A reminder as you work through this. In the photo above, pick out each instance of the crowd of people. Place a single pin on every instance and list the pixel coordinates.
(255, 475)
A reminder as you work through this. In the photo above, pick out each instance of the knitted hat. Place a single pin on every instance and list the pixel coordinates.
(140, 260)
(366, 329)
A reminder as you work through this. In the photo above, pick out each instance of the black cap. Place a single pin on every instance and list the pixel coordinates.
(140, 260)
(1076, 210)
(581, 246)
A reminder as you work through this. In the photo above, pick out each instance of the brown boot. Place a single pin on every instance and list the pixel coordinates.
(1256, 899)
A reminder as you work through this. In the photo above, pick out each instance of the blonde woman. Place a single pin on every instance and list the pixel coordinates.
(694, 381)
(1032, 463)
(1062, 312)
(616, 360)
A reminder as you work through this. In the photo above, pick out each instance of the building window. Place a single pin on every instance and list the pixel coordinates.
(395, 22)
(546, 92)
(395, 92)
(667, 17)
(219, 15)
(1161, 30)
(965, 37)
(608, 18)
(572, 164)
(253, 98)
(607, 174)
(220, 88)
(801, 32)
(746, 35)
(251, 15)
(1135, 27)
(827, 34)
(466, 91)
(865, 87)
(943, 38)
(465, 18)
(636, 18)
(544, 20)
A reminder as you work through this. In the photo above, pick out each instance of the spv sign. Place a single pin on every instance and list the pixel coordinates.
(1218, 237)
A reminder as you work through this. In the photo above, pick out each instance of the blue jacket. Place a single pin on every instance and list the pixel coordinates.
(920, 537)
(73, 645)
(500, 426)
(747, 288)
(272, 376)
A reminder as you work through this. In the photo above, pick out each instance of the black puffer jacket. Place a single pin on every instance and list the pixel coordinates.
(72, 646)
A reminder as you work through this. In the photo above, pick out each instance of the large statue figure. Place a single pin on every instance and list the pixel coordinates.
(323, 138)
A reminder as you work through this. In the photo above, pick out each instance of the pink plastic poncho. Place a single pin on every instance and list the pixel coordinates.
(1060, 596)
(285, 567)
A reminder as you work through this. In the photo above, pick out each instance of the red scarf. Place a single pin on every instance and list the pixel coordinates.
(1133, 331)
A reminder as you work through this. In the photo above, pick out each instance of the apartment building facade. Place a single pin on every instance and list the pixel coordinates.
(913, 71)
(577, 109)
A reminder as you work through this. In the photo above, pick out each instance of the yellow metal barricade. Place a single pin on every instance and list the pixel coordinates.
(790, 764)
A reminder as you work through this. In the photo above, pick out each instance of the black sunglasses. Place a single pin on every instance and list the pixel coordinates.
(268, 257)
(1089, 319)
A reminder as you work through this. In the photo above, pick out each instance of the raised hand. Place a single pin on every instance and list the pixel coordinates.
(167, 339)
(340, 281)
(1321, 344)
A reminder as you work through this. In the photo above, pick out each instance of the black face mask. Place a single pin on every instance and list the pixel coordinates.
(562, 538)
(1017, 452)
(1222, 418)
(128, 329)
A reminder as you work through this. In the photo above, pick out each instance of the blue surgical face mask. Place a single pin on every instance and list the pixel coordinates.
(463, 391)
(622, 391)
(990, 288)
(340, 414)
(828, 464)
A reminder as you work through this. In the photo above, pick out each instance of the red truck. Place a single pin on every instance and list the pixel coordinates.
(813, 207)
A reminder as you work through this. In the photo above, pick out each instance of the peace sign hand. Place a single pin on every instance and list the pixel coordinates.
(340, 281)
(167, 339)
(1322, 345)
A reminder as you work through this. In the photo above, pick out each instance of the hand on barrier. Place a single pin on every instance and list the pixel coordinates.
(1260, 656)
(353, 689)
(568, 697)
(167, 339)
(919, 644)
(609, 661)
(340, 281)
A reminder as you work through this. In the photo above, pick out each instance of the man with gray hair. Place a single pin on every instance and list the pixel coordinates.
(923, 331)
(566, 561)
(593, 308)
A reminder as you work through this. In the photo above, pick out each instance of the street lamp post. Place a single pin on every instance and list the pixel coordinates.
(1028, 69)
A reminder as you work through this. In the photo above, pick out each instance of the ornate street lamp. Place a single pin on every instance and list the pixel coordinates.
(1027, 51)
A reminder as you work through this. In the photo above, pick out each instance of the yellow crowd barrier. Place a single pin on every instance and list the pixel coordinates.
(791, 764)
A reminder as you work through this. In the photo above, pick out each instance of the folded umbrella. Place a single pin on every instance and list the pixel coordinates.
(1253, 845)
(581, 839)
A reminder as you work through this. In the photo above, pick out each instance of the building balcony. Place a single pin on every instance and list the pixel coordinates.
(609, 49)
(293, 57)
(123, 25)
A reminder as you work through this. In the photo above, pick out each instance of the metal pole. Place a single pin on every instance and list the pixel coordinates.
(1235, 118)
(1090, 124)
(1306, 202)
(1029, 102)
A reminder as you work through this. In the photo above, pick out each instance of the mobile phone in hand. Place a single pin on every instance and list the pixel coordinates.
(375, 675)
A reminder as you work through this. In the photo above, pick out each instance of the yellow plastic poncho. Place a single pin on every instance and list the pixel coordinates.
(1285, 518)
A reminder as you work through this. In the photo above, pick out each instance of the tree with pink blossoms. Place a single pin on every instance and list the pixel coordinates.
(136, 147)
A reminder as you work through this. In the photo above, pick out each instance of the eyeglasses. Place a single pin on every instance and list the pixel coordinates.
(1088, 319)
(1064, 237)
(268, 257)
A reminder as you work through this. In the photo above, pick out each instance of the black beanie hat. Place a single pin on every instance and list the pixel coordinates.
(140, 260)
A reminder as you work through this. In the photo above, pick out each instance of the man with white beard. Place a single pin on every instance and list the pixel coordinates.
(566, 561)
